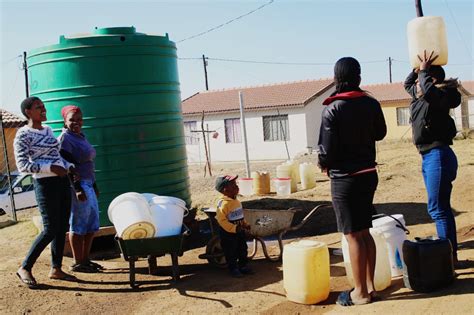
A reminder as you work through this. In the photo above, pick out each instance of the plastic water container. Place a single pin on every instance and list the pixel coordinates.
(167, 215)
(282, 186)
(261, 183)
(295, 170)
(427, 33)
(149, 196)
(383, 277)
(306, 271)
(131, 216)
(307, 175)
(246, 186)
(286, 171)
(394, 235)
(428, 264)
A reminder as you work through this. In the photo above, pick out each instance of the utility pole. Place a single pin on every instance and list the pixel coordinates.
(25, 68)
(244, 129)
(390, 68)
(204, 62)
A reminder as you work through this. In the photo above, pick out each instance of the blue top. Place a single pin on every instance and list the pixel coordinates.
(81, 152)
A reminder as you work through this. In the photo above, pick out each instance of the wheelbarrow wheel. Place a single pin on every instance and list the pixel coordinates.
(215, 253)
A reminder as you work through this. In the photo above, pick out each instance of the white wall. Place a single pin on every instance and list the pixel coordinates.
(221, 151)
(313, 118)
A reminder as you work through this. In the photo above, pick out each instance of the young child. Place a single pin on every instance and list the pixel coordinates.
(232, 226)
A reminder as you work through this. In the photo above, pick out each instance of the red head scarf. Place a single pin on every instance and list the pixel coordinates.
(69, 108)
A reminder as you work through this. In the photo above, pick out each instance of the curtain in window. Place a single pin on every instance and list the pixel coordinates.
(276, 128)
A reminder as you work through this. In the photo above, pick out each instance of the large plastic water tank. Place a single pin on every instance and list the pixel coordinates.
(127, 85)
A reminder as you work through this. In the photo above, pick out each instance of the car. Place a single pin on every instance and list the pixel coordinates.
(23, 193)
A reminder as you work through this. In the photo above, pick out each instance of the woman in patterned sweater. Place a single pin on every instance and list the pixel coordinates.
(37, 152)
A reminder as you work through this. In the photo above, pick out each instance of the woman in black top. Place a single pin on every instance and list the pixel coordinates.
(351, 123)
(433, 133)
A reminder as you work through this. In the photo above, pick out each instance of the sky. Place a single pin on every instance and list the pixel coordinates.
(310, 35)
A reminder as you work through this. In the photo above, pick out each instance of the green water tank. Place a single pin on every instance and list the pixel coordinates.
(127, 85)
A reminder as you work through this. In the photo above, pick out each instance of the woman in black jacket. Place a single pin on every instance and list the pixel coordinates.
(351, 123)
(433, 132)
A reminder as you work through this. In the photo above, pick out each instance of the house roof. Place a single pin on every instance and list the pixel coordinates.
(11, 120)
(289, 94)
(468, 86)
(388, 92)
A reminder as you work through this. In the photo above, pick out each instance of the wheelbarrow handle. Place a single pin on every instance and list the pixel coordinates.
(302, 222)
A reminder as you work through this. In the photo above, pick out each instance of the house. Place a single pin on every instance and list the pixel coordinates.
(281, 120)
(10, 125)
(395, 103)
(464, 114)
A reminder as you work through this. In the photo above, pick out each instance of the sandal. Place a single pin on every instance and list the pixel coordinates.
(345, 299)
(30, 282)
(64, 277)
(374, 296)
(84, 267)
(94, 265)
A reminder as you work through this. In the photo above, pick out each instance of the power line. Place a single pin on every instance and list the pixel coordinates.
(449, 64)
(226, 23)
(458, 29)
(10, 60)
(278, 62)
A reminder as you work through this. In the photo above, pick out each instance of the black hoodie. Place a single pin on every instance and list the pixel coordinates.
(432, 126)
(349, 128)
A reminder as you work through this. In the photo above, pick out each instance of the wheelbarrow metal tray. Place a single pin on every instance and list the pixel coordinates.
(268, 222)
(157, 246)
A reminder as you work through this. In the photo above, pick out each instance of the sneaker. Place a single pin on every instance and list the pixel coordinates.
(236, 273)
(246, 270)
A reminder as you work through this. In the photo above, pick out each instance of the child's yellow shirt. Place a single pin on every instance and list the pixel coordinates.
(229, 213)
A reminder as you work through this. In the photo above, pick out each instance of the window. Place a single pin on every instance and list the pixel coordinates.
(27, 183)
(232, 130)
(191, 137)
(403, 116)
(275, 128)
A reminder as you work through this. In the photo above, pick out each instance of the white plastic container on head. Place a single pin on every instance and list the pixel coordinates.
(245, 186)
(131, 216)
(306, 271)
(427, 33)
(308, 175)
(383, 277)
(167, 214)
(286, 170)
(282, 186)
(394, 236)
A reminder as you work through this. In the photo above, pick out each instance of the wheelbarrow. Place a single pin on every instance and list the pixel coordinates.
(151, 248)
(263, 223)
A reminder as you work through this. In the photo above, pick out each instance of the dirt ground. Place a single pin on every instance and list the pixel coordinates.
(205, 289)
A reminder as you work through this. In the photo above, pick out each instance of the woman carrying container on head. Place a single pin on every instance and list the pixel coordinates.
(37, 152)
(352, 122)
(433, 132)
(84, 221)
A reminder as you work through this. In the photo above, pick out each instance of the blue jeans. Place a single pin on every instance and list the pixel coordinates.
(53, 195)
(439, 167)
